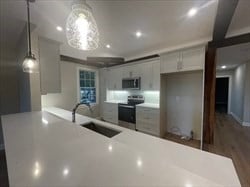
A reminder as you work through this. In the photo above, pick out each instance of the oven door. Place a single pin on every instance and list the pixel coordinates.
(126, 113)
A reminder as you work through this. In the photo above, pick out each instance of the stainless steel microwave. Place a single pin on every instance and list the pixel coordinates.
(131, 83)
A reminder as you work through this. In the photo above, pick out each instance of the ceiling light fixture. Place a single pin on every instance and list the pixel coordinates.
(138, 34)
(59, 28)
(192, 12)
(223, 67)
(108, 46)
(82, 32)
(30, 64)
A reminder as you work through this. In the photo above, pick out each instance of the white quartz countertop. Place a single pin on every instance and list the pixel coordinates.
(115, 101)
(43, 149)
(149, 105)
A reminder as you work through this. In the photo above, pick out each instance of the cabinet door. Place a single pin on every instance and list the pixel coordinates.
(193, 59)
(130, 71)
(110, 112)
(169, 62)
(117, 76)
(156, 75)
(110, 80)
(146, 76)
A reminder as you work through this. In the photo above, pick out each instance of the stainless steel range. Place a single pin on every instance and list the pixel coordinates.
(126, 111)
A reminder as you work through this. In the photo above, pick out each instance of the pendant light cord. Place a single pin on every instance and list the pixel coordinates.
(28, 27)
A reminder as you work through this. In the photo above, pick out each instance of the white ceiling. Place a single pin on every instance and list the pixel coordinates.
(240, 23)
(233, 56)
(164, 24)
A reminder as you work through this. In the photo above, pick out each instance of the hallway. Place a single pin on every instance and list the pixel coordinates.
(232, 140)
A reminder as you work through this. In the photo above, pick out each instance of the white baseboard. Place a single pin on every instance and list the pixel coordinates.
(247, 124)
(1, 147)
(236, 118)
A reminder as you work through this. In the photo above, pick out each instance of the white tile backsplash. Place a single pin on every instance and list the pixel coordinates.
(150, 96)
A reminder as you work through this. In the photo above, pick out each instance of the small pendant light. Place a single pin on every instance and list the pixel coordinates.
(81, 28)
(30, 64)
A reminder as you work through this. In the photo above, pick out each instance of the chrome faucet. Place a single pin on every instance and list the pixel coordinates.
(75, 108)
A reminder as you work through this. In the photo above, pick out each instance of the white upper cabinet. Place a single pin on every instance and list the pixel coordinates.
(185, 60)
(149, 72)
(169, 62)
(50, 72)
(156, 75)
(131, 71)
(193, 59)
(114, 79)
(150, 76)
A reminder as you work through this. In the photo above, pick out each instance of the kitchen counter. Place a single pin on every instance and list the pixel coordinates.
(115, 101)
(46, 149)
(149, 105)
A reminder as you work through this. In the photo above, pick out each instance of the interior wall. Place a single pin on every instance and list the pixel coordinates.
(24, 78)
(246, 115)
(9, 85)
(68, 98)
(183, 97)
(29, 84)
(238, 84)
(35, 88)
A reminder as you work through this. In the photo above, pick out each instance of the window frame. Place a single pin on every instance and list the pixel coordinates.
(96, 83)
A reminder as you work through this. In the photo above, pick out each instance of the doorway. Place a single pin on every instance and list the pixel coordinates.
(222, 95)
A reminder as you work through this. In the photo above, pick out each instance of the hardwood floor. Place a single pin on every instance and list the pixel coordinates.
(232, 140)
(177, 139)
(4, 182)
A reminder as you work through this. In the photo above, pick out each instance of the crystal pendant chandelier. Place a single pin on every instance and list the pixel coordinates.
(81, 28)
(30, 64)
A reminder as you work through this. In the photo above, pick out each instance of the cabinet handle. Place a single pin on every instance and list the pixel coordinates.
(179, 65)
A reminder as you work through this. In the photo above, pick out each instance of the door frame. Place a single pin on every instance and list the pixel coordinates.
(229, 101)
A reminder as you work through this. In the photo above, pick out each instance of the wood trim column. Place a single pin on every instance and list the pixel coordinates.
(209, 96)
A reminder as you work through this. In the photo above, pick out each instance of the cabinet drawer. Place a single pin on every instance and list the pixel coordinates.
(147, 110)
(147, 114)
(110, 118)
(148, 127)
(148, 118)
(110, 106)
(110, 112)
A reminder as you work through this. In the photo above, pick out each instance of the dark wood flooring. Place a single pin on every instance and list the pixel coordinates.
(232, 140)
(4, 182)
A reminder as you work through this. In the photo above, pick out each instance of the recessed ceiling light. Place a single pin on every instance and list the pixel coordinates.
(223, 67)
(108, 46)
(192, 12)
(65, 171)
(59, 28)
(138, 34)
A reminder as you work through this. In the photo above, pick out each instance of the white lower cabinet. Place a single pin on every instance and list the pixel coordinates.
(110, 112)
(148, 120)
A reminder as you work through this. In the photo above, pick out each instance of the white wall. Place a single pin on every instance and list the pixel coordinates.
(9, 89)
(246, 115)
(68, 98)
(29, 84)
(238, 89)
(184, 103)
(225, 72)
(19, 91)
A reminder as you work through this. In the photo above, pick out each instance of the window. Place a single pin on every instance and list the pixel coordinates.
(87, 81)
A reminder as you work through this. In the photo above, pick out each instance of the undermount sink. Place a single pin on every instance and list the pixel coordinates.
(101, 129)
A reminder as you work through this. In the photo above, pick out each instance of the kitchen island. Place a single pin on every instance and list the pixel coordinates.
(46, 149)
